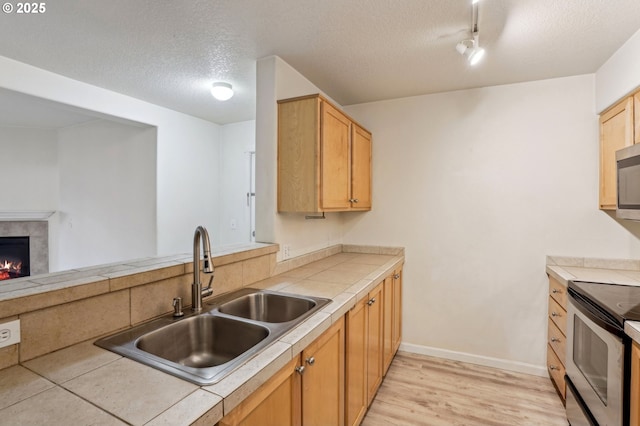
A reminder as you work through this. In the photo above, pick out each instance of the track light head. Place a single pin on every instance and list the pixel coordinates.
(470, 50)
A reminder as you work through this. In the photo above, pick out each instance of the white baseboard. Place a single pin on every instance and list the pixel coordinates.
(518, 367)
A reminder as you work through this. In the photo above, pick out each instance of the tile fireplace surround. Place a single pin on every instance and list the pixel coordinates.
(38, 233)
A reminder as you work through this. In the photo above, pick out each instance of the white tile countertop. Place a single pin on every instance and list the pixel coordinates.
(608, 271)
(84, 384)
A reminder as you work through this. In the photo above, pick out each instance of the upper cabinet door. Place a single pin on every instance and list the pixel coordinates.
(616, 132)
(324, 158)
(336, 161)
(360, 168)
(636, 113)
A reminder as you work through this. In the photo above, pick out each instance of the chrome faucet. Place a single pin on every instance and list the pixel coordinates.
(197, 292)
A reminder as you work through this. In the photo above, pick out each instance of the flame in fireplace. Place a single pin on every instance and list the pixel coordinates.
(9, 269)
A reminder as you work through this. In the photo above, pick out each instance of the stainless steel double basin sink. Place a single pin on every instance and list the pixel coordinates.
(204, 347)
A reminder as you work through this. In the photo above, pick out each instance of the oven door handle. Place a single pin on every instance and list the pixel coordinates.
(596, 316)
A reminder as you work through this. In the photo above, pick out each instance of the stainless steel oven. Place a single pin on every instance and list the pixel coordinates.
(597, 362)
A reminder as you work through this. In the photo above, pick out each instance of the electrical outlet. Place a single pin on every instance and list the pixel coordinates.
(286, 252)
(9, 333)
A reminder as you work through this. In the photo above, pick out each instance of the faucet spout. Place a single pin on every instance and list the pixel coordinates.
(197, 292)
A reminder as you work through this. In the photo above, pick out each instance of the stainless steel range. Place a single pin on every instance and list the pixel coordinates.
(598, 352)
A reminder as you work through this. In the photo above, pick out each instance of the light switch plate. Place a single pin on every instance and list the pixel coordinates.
(9, 333)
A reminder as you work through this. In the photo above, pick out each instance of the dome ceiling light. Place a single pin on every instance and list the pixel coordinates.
(222, 91)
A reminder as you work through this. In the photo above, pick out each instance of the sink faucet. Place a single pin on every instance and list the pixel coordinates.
(197, 292)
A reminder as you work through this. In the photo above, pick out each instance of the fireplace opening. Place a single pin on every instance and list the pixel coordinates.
(14, 257)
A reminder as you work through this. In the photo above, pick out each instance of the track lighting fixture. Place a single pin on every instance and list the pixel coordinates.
(470, 48)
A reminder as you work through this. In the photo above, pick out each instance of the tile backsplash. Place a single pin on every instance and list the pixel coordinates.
(64, 308)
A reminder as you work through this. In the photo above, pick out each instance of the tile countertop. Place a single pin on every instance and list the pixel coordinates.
(84, 384)
(611, 271)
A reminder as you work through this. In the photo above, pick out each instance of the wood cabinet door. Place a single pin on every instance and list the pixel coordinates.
(276, 403)
(360, 168)
(397, 310)
(636, 115)
(323, 379)
(335, 163)
(356, 364)
(616, 132)
(387, 329)
(298, 155)
(374, 340)
(635, 385)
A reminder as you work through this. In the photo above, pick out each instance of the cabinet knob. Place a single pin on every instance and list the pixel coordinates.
(556, 291)
(353, 200)
(555, 314)
(553, 368)
(371, 301)
(310, 360)
(300, 369)
(396, 276)
(555, 340)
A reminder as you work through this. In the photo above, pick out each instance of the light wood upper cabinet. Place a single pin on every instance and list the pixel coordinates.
(616, 132)
(360, 168)
(335, 161)
(324, 158)
(636, 114)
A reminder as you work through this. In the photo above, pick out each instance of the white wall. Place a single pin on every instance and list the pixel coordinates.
(187, 149)
(237, 141)
(278, 80)
(29, 170)
(479, 186)
(107, 207)
(619, 75)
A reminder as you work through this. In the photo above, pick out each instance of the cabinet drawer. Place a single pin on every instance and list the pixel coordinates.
(557, 341)
(556, 371)
(558, 291)
(558, 315)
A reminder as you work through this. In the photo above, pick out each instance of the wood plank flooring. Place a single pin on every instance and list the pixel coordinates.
(421, 390)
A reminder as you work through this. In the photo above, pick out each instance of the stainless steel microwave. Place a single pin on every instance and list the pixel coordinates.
(628, 176)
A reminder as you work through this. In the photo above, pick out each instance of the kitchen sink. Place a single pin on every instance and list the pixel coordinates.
(204, 347)
(203, 340)
(268, 307)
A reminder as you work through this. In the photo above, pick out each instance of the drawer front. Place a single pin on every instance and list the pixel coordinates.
(556, 371)
(558, 292)
(558, 315)
(557, 341)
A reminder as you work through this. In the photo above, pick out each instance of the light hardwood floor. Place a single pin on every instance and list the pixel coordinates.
(421, 390)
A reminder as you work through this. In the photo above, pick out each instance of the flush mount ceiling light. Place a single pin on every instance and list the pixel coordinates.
(470, 48)
(222, 91)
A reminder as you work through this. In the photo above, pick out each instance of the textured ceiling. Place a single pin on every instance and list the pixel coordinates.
(169, 52)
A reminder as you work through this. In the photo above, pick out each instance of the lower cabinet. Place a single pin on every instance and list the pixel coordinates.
(334, 380)
(375, 335)
(365, 333)
(277, 402)
(634, 419)
(309, 390)
(356, 363)
(392, 317)
(323, 378)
